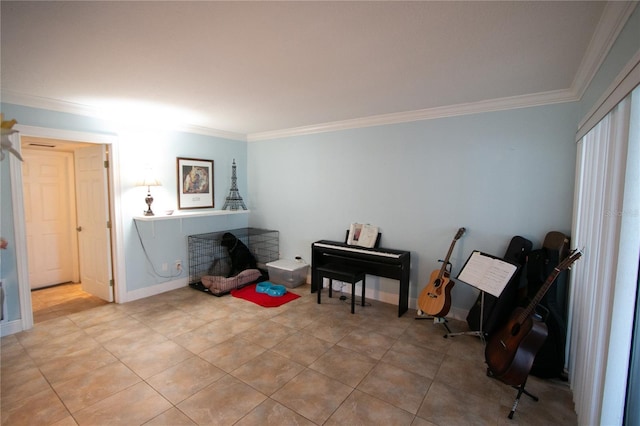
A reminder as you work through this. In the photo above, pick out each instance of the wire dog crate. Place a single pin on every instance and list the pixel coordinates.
(208, 257)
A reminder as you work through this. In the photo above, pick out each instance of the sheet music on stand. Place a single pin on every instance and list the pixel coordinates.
(489, 274)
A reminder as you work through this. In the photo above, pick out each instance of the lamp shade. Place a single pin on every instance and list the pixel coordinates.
(148, 181)
(148, 178)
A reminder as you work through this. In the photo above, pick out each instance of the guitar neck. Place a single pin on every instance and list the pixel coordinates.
(565, 264)
(528, 311)
(443, 270)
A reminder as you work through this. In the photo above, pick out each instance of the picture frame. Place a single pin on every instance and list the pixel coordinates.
(195, 183)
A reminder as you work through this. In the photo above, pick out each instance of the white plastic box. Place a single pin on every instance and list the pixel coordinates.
(287, 272)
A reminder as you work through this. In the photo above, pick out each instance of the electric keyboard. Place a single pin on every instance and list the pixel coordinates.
(368, 252)
(382, 262)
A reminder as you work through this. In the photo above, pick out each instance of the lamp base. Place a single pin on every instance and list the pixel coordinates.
(148, 199)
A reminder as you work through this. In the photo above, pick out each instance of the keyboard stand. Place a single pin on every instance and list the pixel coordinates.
(380, 262)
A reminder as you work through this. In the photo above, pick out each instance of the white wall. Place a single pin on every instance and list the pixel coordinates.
(498, 174)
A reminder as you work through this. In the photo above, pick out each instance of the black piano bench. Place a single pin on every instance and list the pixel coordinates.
(344, 274)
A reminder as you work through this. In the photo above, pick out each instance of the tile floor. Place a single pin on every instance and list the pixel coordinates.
(188, 358)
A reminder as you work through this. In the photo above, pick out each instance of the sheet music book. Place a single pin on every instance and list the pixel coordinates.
(487, 273)
(363, 235)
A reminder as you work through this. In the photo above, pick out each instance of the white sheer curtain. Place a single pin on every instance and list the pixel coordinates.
(603, 281)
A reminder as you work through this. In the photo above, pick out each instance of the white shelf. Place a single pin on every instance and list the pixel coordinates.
(189, 214)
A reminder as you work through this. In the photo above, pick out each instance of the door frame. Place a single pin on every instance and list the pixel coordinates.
(117, 237)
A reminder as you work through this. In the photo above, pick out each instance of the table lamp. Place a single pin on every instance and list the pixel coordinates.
(148, 181)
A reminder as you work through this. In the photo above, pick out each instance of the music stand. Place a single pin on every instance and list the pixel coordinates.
(489, 274)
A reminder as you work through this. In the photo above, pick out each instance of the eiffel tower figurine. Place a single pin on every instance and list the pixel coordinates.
(234, 200)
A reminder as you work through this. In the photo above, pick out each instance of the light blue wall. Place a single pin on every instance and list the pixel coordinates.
(498, 174)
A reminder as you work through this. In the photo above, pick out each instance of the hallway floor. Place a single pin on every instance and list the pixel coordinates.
(188, 358)
(61, 300)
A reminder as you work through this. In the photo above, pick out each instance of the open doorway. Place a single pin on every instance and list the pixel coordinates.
(60, 248)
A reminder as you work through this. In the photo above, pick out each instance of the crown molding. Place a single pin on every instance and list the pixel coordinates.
(200, 130)
(612, 21)
(15, 98)
(513, 102)
(66, 135)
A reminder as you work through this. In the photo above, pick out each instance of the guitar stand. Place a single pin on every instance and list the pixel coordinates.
(521, 390)
(479, 334)
(436, 320)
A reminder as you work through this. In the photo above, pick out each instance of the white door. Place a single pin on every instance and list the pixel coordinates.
(93, 221)
(49, 217)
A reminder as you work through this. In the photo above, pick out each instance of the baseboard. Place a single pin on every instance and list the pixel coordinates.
(10, 327)
(130, 296)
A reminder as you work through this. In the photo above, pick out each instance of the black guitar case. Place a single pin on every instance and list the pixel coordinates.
(498, 309)
(549, 361)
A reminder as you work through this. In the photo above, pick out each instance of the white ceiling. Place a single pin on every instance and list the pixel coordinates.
(254, 69)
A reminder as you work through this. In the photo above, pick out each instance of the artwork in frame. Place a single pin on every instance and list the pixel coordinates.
(195, 183)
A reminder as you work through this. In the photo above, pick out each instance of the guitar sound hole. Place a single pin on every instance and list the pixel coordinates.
(515, 329)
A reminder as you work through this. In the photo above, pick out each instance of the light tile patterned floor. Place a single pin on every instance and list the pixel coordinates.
(188, 358)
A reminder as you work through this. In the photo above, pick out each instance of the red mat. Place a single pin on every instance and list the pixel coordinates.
(249, 293)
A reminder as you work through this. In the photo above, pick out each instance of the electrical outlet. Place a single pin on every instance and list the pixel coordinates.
(178, 265)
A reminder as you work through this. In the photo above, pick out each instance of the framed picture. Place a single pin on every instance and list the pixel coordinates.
(195, 183)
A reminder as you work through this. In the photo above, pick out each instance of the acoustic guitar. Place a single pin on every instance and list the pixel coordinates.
(435, 298)
(511, 350)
